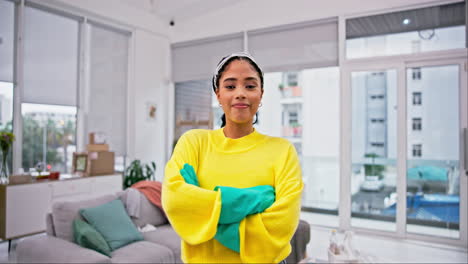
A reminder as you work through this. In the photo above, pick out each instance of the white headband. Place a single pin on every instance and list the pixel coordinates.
(225, 59)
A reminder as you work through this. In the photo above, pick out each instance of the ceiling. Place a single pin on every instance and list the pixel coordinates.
(179, 10)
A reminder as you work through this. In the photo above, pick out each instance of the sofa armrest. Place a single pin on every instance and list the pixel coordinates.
(299, 242)
(49, 249)
(50, 228)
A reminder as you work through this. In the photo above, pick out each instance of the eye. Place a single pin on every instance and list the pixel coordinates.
(251, 86)
(230, 87)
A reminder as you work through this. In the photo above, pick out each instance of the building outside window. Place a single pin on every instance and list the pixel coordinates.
(292, 78)
(377, 120)
(416, 74)
(417, 150)
(417, 98)
(417, 124)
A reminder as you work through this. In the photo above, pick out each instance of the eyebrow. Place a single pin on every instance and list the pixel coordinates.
(246, 79)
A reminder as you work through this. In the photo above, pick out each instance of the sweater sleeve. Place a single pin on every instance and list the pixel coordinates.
(192, 211)
(270, 232)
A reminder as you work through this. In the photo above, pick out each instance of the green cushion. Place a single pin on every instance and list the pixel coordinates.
(86, 236)
(113, 222)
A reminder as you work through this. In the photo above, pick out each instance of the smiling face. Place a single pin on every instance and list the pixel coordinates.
(240, 92)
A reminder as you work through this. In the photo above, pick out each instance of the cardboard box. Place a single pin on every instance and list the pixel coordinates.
(101, 163)
(97, 147)
(97, 138)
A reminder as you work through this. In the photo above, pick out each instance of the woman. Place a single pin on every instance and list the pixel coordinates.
(233, 194)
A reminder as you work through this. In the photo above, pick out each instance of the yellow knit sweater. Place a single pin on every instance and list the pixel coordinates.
(249, 161)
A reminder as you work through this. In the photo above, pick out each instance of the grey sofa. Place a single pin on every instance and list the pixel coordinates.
(159, 246)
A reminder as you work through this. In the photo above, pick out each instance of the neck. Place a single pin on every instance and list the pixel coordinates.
(233, 130)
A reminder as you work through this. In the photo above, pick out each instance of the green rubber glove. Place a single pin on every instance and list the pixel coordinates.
(228, 235)
(237, 203)
(189, 175)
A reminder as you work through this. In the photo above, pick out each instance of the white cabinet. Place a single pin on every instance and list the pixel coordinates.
(23, 207)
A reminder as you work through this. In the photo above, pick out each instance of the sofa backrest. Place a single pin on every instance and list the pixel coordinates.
(59, 222)
(148, 212)
(63, 214)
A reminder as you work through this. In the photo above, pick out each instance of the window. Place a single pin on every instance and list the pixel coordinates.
(373, 145)
(291, 79)
(417, 150)
(377, 120)
(416, 74)
(108, 69)
(191, 99)
(417, 98)
(293, 118)
(417, 124)
(48, 136)
(380, 96)
(405, 32)
(292, 126)
(311, 123)
(7, 15)
(50, 89)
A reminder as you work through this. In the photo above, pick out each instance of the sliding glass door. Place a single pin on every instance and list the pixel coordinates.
(434, 123)
(373, 136)
(406, 140)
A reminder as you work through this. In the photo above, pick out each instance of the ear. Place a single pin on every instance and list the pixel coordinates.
(217, 94)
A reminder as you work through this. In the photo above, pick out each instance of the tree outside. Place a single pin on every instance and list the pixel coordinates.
(56, 146)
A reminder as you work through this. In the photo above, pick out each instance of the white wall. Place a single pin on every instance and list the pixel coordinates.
(152, 66)
(255, 14)
(113, 11)
(149, 73)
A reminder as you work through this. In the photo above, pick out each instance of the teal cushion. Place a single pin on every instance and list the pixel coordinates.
(113, 222)
(86, 236)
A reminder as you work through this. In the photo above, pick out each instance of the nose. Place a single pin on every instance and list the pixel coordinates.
(240, 93)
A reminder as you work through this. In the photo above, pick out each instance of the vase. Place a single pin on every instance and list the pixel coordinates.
(4, 173)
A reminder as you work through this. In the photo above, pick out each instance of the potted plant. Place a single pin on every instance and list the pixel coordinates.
(6, 140)
(373, 180)
(373, 169)
(138, 171)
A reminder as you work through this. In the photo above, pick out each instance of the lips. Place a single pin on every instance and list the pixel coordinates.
(240, 106)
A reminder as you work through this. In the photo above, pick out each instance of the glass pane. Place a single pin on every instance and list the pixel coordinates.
(303, 106)
(6, 114)
(216, 112)
(408, 42)
(192, 106)
(7, 22)
(49, 136)
(433, 176)
(374, 173)
(411, 31)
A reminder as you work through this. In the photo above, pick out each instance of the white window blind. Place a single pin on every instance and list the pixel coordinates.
(197, 60)
(7, 23)
(192, 106)
(108, 72)
(297, 46)
(50, 58)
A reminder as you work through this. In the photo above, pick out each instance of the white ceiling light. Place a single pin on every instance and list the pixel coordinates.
(406, 21)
